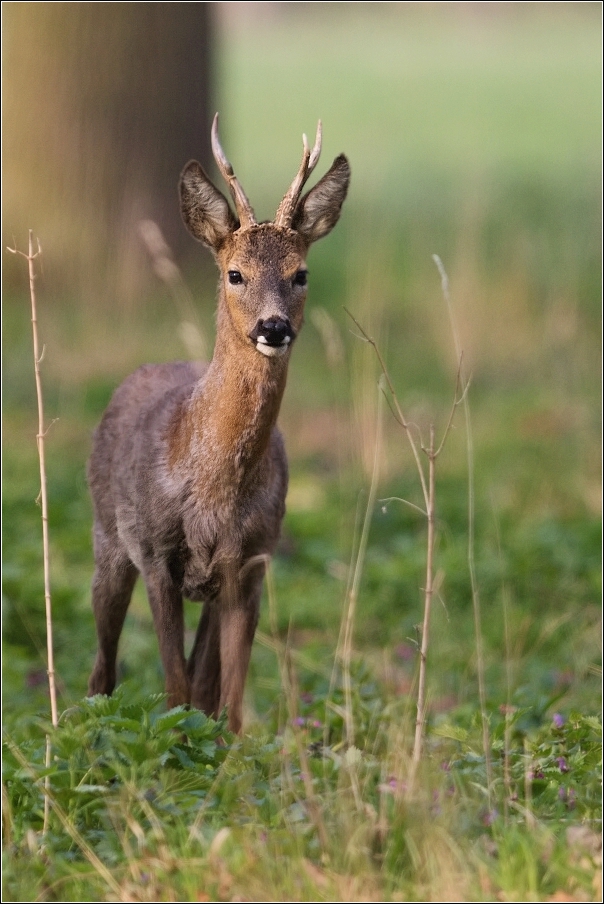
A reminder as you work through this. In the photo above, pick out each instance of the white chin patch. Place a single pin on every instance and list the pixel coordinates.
(272, 351)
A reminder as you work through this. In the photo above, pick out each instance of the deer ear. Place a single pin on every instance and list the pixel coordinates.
(319, 210)
(205, 210)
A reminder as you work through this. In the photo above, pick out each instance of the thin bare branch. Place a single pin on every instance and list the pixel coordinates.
(356, 580)
(356, 335)
(471, 560)
(456, 403)
(393, 412)
(31, 257)
(430, 588)
(402, 419)
(406, 501)
(45, 434)
(42, 498)
(28, 257)
(444, 605)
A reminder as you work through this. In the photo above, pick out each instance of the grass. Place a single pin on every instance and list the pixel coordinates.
(494, 167)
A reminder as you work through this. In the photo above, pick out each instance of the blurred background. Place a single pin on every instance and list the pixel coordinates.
(473, 132)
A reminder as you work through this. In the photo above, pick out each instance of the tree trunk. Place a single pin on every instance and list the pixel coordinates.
(104, 103)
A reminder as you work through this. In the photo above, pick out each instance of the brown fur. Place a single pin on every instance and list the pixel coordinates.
(188, 472)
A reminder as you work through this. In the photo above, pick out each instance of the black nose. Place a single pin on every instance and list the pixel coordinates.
(275, 331)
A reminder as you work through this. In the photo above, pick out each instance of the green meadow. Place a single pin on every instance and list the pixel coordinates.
(473, 137)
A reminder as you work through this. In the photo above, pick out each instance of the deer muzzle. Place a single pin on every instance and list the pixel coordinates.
(273, 337)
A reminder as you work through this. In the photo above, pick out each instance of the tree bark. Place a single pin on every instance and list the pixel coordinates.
(104, 103)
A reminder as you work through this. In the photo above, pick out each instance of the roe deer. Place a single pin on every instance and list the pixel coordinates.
(188, 472)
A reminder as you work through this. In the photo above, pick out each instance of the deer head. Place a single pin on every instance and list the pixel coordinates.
(262, 265)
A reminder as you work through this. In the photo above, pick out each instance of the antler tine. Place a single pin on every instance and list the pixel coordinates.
(316, 151)
(244, 208)
(310, 159)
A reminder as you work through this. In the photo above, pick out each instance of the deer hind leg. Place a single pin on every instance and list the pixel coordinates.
(166, 604)
(112, 587)
(203, 665)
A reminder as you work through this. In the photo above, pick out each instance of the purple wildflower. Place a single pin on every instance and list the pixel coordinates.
(558, 720)
(489, 817)
(567, 796)
(392, 785)
(562, 764)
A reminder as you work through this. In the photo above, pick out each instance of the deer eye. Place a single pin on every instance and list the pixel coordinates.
(235, 277)
(301, 278)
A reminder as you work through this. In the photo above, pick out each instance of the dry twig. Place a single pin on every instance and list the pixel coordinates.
(482, 693)
(428, 485)
(31, 257)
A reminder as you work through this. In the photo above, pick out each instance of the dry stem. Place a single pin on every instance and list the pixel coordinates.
(428, 485)
(471, 563)
(31, 257)
(428, 592)
(353, 594)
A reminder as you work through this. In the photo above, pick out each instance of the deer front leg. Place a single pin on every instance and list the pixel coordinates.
(166, 604)
(237, 627)
(239, 610)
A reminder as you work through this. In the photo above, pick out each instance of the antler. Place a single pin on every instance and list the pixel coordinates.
(310, 158)
(244, 208)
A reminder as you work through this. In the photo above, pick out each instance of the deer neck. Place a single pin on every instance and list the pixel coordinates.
(225, 427)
